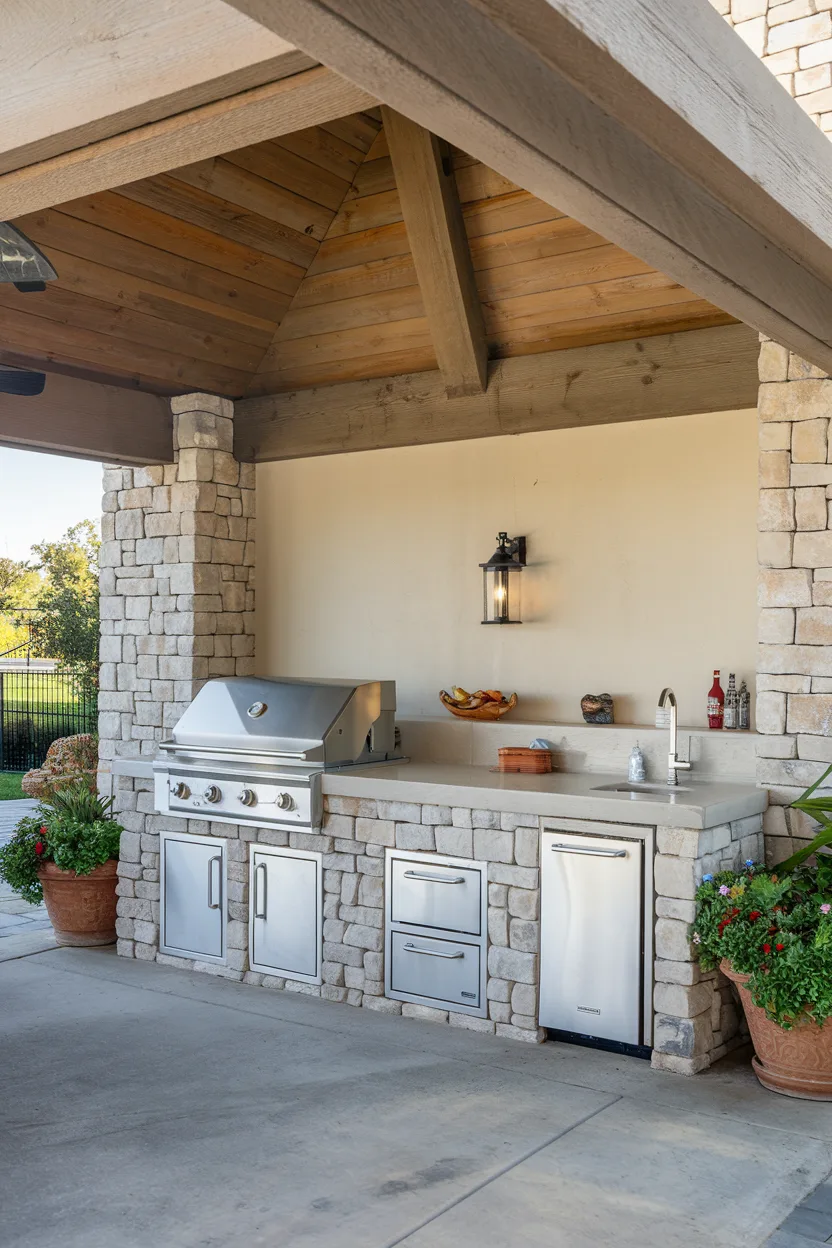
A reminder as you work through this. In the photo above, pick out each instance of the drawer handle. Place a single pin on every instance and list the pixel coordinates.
(433, 878)
(559, 848)
(260, 893)
(433, 953)
(214, 905)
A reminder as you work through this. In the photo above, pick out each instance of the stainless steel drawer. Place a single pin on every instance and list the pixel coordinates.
(435, 970)
(425, 894)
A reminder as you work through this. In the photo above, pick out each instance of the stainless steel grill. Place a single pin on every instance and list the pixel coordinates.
(252, 750)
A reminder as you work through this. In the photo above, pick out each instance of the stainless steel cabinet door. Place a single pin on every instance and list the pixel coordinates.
(285, 913)
(591, 961)
(193, 896)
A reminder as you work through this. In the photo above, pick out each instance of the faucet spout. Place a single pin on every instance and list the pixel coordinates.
(674, 764)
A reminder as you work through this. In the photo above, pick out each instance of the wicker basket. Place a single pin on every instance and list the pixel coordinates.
(524, 759)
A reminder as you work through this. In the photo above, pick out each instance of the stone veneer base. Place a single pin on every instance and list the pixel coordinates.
(695, 1022)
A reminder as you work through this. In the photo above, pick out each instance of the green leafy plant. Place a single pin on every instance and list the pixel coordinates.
(819, 809)
(74, 829)
(776, 928)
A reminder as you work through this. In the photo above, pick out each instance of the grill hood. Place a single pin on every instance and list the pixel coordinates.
(303, 723)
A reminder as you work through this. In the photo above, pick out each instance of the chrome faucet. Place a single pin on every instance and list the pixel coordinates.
(674, 764)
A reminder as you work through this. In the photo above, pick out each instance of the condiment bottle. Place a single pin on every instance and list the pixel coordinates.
(732, 704)
(716, 703)
(744, 715)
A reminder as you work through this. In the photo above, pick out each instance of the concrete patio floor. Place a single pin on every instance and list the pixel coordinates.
(146, 1106)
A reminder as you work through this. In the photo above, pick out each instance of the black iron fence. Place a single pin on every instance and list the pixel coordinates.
(37, 707)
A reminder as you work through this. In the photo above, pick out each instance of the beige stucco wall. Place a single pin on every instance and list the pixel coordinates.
(641, 550)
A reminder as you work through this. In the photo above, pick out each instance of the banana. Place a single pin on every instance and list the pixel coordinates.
(459, 695)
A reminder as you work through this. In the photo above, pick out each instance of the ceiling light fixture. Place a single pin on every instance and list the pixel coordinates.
(21, 262)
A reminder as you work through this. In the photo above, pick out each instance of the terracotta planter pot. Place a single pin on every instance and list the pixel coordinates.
(794, 1063)
(81, 908)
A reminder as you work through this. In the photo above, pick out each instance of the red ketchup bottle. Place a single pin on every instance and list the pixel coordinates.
(716, 703)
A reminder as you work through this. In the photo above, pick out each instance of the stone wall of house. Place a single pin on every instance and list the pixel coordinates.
(794, 681)
(794, 667)
(696, 1018)
(176, 581)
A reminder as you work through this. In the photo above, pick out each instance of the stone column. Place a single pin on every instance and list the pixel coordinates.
(794, 680)
(177, 579)
(177, 606)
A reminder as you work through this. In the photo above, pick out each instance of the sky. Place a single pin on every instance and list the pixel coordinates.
(41, 496)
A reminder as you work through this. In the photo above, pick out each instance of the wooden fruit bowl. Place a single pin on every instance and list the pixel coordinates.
(489, 712)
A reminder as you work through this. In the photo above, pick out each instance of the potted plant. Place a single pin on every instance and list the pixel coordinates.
(769, 930)
(66, 854)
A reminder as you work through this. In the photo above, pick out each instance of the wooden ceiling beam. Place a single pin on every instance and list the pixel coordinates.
(651, 123)
(74, 74)
(88, 420)
(705, 370)
(305, 99)
(436, 233)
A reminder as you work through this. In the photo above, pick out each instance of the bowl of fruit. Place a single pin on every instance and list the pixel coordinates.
(485, 704)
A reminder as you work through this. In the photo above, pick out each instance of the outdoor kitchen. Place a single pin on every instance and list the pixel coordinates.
(304, 830)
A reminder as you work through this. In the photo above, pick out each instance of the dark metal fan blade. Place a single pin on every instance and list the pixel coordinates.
(18, 381)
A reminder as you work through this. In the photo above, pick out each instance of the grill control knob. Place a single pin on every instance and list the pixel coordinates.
(180, 790)
(248, 797)
(285, 801)
(212, 793)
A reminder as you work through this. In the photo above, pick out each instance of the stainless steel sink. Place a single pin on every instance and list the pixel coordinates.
(646, 789)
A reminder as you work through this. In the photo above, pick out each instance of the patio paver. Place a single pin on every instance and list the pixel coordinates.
(18, 917)
(185, 1110)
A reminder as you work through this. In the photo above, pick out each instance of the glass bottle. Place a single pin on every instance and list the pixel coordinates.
(732, 704)
(716, 703)
(744, 716)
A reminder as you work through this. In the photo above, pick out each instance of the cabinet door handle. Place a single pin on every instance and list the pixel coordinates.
(214, 905)
(433, 953)
(260, 912)
(559, 848)
(433, 878)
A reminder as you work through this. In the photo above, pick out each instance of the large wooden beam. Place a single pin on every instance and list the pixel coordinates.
(88, 420)
(307, 99)
(436, 233)
(705, 370)
(76, 73)
(649, 120)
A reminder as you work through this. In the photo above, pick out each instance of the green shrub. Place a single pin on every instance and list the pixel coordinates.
(75, 830)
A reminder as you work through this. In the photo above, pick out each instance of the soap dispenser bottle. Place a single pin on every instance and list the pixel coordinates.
(636, 772)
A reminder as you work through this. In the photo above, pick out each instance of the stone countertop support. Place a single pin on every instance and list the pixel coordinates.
(695, 1016)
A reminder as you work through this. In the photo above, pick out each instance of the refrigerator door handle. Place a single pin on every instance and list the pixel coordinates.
(590, 853)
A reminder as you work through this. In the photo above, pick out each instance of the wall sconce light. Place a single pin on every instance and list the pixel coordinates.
(500, 585)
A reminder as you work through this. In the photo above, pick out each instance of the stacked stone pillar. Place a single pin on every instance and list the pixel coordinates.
(177, 579)
(794, 667)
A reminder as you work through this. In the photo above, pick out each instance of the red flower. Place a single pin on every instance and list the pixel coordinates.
(39, 847)
(43, 830)
(754, 915)
(766, 948)
(779, 948)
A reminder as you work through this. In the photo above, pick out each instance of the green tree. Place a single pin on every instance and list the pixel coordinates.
(67, 621)
(20, 585)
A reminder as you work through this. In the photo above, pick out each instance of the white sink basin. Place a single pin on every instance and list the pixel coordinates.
(643, 790)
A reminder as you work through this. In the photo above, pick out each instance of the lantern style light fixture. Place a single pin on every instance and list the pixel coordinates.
(500, 584)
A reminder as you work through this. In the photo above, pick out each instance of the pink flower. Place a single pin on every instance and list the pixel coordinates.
(825, 908)
(724, 890)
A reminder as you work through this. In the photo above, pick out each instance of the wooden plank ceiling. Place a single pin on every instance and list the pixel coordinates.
(286, 265)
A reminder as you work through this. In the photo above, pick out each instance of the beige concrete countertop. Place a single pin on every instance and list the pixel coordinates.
(695, 804)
